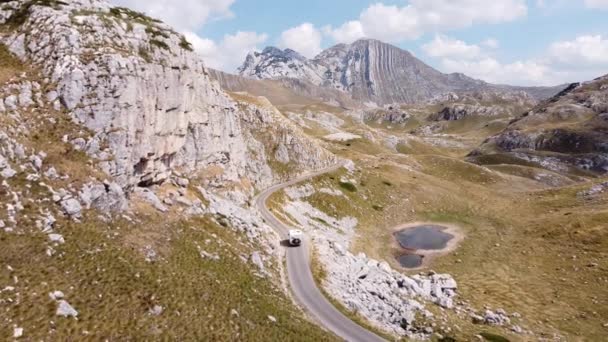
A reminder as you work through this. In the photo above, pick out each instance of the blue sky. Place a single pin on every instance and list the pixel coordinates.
(525, 42)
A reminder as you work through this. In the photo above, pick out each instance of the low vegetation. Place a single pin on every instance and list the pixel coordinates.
(20, 14)
(104, 275)
(528, 248)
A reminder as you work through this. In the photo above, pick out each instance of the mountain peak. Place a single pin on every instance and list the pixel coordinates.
(369, 70)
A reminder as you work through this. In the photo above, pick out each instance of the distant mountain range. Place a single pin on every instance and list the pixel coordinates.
(373, 71)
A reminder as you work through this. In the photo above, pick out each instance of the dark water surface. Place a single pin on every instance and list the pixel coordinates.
(410, 260)
(427, 237)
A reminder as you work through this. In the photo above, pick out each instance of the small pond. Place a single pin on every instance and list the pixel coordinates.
(410, 260)
(426, 237)
(417, 241)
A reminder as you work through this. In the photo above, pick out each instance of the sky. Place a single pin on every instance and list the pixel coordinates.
(518, 42)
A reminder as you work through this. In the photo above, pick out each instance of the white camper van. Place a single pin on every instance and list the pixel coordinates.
(295, 237)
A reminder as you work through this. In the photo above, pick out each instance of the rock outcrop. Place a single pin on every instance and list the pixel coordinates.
(460, 111)
(144, 94)
(564, 133)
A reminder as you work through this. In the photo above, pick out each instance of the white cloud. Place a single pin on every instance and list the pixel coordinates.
(584, 51)
(399, 23)
(305, 39)
(347, 33)
(185, 15)
(600, 4)
(443, 46)
(517, 73)
(581, 59)
(230, 52)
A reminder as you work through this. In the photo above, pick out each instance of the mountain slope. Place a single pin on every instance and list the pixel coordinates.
(125, 173)
(284, 90)
(140, 87)
(371, 71)
(566, 133)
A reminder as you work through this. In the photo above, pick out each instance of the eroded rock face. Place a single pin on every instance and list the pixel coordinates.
(457, 112)
(142, 91)
(567, 131)
(371, 72)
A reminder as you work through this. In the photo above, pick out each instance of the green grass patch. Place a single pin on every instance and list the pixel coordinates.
(113, 288)
(378, 207)
(348, 186)
(493, 337)
(21, 14)
(121, 12)
(159, 44)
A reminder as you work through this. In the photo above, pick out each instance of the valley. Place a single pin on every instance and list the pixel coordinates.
(146, 196)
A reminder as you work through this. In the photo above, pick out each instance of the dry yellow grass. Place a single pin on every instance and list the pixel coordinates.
(528, 248)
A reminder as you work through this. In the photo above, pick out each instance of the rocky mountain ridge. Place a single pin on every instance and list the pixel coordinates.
(144, 93)
(566, 131)
(372, 71)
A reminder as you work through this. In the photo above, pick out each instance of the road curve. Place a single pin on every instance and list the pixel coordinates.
(300, 276)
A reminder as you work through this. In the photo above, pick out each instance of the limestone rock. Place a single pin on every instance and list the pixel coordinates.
(64, 309)
(256, 259)
(149, 197)
(106, 197)
(156, 112)
(72, 207)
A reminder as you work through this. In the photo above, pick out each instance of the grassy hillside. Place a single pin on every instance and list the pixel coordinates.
(138, 276)
(533, 245)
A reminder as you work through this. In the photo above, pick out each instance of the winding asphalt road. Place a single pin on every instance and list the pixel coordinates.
(300, 276)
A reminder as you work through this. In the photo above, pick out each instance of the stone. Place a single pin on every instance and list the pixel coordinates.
(150, 197)
(17, 332)
(57, 238)
(72, 207)
(36, 162)
(184, 201)
(64, 309)
(206, 255)
(56, 295)
(183, 182)
(157, 310)
(495, 318)
(517, 329)
(256, 259)
(8, 173)
(11, 102)
(51, 173)
(106, 197)
(150, 254)
(282, 154)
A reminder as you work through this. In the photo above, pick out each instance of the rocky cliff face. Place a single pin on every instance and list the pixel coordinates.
(148, 99)
(371, 71)
(274, 63)
(568, 130)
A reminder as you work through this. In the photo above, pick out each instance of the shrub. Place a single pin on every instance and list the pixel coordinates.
(159, 44)
(185, 44)
(348, 186)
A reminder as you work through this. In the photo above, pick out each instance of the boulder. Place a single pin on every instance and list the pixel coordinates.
(64, 309)
(72, 207)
